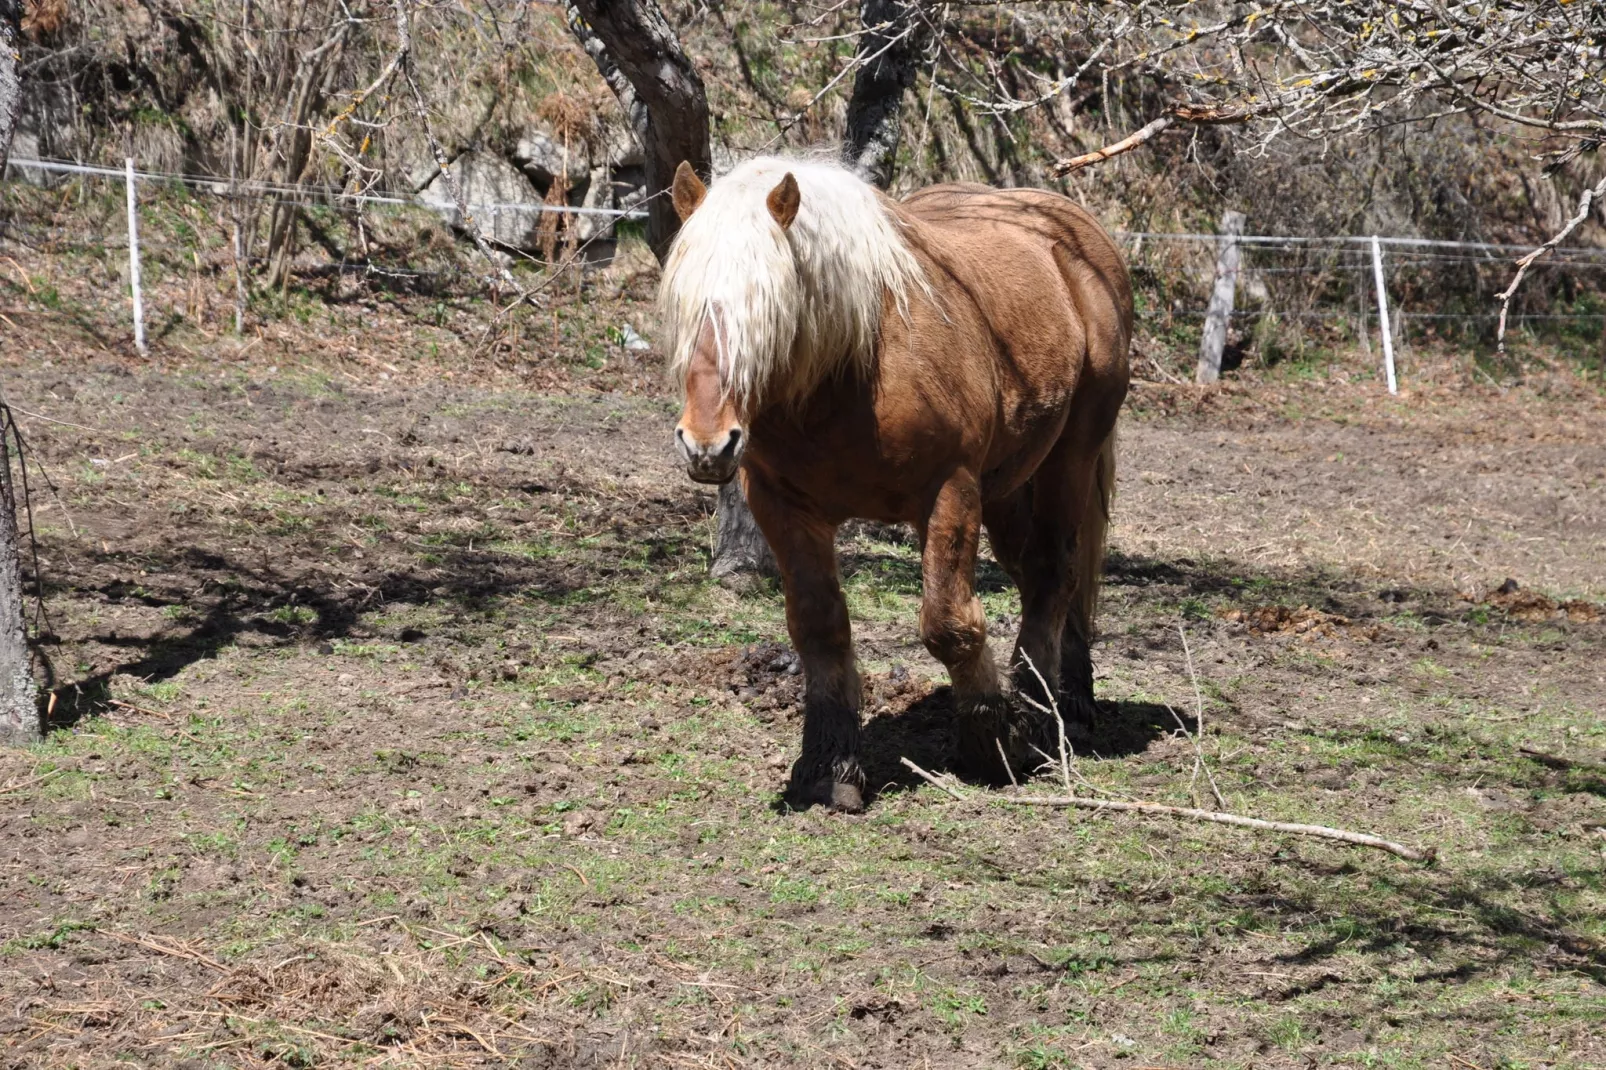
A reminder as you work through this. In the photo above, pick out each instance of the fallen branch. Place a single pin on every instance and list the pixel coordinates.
(1360, 839)
(165, 949)
(120, 704)
(1323, 832)
(14, 786)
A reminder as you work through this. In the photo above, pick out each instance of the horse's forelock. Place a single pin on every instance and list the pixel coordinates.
(792, 305)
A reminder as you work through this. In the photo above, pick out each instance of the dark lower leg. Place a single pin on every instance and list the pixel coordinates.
(1044, 658)
(827, 772)
(1076, 676)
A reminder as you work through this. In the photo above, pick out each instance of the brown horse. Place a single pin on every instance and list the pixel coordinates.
(951, 360)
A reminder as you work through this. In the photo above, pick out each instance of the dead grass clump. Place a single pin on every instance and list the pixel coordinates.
(417, 1001)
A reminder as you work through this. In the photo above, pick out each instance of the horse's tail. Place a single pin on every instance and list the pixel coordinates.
(1090, 535)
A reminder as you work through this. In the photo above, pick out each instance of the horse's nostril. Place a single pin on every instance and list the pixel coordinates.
(731, 443)
(680, 435)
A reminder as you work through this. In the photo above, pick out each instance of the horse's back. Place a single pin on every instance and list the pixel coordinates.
(981, 217)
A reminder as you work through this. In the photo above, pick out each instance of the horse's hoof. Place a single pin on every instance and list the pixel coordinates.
(843, 797)
(1080, 714)
(989, 744)
(847, 798)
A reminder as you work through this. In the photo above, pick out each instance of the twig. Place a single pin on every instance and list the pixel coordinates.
(1059, 722)
(1360, 839)
(53, 420)
(30, 782)
(929, 779)
(175, 952)
(448, 177)
(1005, 759)
(120, 704)
(1197, 736)
(1126, 144)
(1199, 114)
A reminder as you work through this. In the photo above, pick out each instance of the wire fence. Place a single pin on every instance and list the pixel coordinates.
(1284, 279)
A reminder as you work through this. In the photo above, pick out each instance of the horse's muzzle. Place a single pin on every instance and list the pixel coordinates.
(711, 462)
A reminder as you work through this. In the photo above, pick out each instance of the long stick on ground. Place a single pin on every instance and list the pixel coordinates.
(1321, 832)
(1360, 839)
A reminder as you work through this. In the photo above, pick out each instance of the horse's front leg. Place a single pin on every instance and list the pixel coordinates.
(828, 770)
(988, 741)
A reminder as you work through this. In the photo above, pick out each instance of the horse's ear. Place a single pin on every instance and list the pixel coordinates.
(783, 201)
(687, 192)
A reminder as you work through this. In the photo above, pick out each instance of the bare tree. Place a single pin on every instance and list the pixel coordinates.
(1295, 69)
(640, 58)
(19, 707)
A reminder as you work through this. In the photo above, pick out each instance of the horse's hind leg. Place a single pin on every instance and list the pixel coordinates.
(1087, 566)
(1009, 522)
(954, 628)
(1052, 648)
(828, 770)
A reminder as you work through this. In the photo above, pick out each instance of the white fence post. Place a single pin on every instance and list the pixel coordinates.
(1218, 314)
(133, 262)
(1383, 314)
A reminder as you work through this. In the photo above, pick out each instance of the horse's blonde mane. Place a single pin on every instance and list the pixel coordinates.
(794, 305)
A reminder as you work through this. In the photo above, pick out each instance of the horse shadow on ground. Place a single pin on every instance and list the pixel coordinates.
(923, 733)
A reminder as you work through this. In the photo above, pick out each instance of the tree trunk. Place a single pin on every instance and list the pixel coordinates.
(667, 104)
(661, 93)
(740, 552)
(890, 48)
(10, 73)
(19, 706)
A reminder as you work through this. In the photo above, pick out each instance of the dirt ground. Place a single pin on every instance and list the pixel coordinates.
(396, 723)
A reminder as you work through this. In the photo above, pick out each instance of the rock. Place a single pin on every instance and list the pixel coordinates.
(501, 197)
(633, 341)
(542, 159)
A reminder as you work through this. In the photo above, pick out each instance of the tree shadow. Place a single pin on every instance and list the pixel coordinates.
(237, 600)
(1491, 937)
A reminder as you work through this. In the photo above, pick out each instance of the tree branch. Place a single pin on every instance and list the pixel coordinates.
(1585, 199)
(1126, 144)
